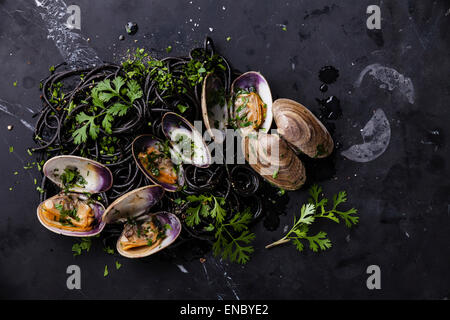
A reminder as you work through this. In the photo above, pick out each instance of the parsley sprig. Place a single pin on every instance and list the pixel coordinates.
(232, 237)
(317, 208)
(229, 246)
(114, 99)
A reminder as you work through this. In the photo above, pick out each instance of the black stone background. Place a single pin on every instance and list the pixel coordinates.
(402, 196)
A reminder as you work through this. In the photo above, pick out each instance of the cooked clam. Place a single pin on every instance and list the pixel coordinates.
(78, 174)
(298, 126)
(214, 107)
(271, 157)
(144, 233)
(154, 158)
(148, 234)
(71, 214)
(186, 141)
(251, 103)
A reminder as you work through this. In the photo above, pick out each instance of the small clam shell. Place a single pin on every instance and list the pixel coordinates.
(140, 144)
(98, 177)
(97, 208)
(271, 157)
(174, 127)
(133, 204)
(298, 126)
(172, 233)
(253, 79)
(214, 107)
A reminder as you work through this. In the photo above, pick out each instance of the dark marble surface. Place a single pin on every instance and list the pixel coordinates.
(402, 195)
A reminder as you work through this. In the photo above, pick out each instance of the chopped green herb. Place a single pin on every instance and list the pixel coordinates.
(182, 108)
(108, 250)
(118, 265)
(275, 174)
(85, 245)
(105, 273)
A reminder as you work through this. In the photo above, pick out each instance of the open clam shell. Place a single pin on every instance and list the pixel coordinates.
(253, 81)
(214, 107)
(133, 204)
(96, 207)
(186, 141)
(170, 227)
(271, 157)
(298, 126)
(94, 176)
(172, 171)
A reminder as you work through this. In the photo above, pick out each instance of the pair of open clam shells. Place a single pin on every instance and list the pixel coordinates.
(97, 178)
(273, 156)
(186, 147)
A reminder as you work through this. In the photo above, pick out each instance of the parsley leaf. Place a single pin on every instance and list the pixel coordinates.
(85, 245)
(232, 238)
(114, 99)
(316, 208)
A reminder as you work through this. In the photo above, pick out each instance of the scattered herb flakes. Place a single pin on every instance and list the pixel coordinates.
(40, 189)
(15, 83)
(108, 250)
(71, 178)
(118, 265)
(51, 69)
(85, 245)
(182, 108)
(16, 173)
(10, 189)
(105, 273)
(228, 39)
(169, 49)
(11, 149)
(275, 174)
(178, 201)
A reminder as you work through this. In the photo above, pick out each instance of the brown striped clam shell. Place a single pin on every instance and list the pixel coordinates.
(272, 158)
(301, 129)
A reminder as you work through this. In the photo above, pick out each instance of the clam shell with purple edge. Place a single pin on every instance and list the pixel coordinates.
(133, 204)
(255, 80)
(140, 144)
(172, 234)
(98, 177)
(174, 126)
(99, 224)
